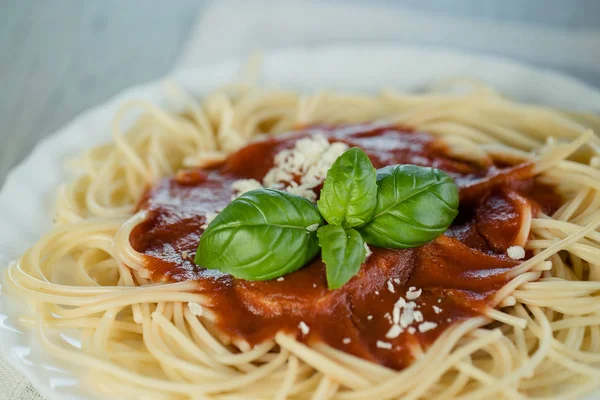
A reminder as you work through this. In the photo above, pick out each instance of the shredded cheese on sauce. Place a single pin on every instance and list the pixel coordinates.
(368, 252)
(196, 309)
(516, 252)
(303, 328)
(242, 186)
(383, 345)
(427, 326)
(413, 293)
(209, 218)
(298, 170)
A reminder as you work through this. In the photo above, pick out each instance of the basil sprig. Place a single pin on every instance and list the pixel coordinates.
(261, 235)
(266, 233)
(349, 194)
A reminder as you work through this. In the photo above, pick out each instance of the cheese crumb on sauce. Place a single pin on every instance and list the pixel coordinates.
(346, 340)
(405, 314)
(413, 293)
(390, 286)
(196, 309)
(383, 345)
(516, 252)
(394, 332)
(299, 170)
(368, 251)
(209, 218)
(303, 328)
(427, 326)
(242, 186)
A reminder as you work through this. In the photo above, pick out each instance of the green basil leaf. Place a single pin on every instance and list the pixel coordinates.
(343, 251)
(414, 206)
(349, 194)
(261, 235)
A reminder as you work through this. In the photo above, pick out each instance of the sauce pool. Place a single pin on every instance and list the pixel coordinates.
(456, 275)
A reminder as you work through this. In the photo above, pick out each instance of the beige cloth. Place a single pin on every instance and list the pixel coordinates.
(14, 386)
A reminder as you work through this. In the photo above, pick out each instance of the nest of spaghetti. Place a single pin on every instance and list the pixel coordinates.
(504, 303)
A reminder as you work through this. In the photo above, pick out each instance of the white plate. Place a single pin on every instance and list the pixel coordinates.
(27, 195)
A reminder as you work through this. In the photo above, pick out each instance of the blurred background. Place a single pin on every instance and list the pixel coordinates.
(60, 57)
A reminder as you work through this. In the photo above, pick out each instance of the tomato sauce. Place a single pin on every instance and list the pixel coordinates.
(457, 274)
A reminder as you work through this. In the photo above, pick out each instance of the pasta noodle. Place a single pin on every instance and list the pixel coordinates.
(142, 340)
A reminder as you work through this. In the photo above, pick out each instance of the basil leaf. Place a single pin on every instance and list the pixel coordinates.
(414, 206)
(343, 251)
(349, 194)
(261, 235)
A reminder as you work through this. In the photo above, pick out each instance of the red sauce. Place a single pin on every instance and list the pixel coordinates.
(458, 273)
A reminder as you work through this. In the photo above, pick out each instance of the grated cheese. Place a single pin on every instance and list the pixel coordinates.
(516, 252)
(383, 345)
(209, 218)
(369, 317)
(394, 332)
(391, 287)
(184, 255)
(427, 326)
(303, 328)
(242, 186)
(413, 293)
(346, 340)
(301, 169)
(196, 309)
(437, 310)
(412, 330)
(280, 279)
(368, 251)
(418, 316)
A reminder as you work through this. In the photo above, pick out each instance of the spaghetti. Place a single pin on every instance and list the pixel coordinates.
(141, 339)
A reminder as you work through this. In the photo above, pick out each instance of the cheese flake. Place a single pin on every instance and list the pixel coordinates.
(196, 309)
(394, 332)
(301, 169)
(368, 251)
(516, 252)
(390, 286)
(413, 293)
(383, 345)
(303, 328)
(427, 326)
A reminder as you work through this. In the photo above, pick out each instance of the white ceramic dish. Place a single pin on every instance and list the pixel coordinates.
(27, 196)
